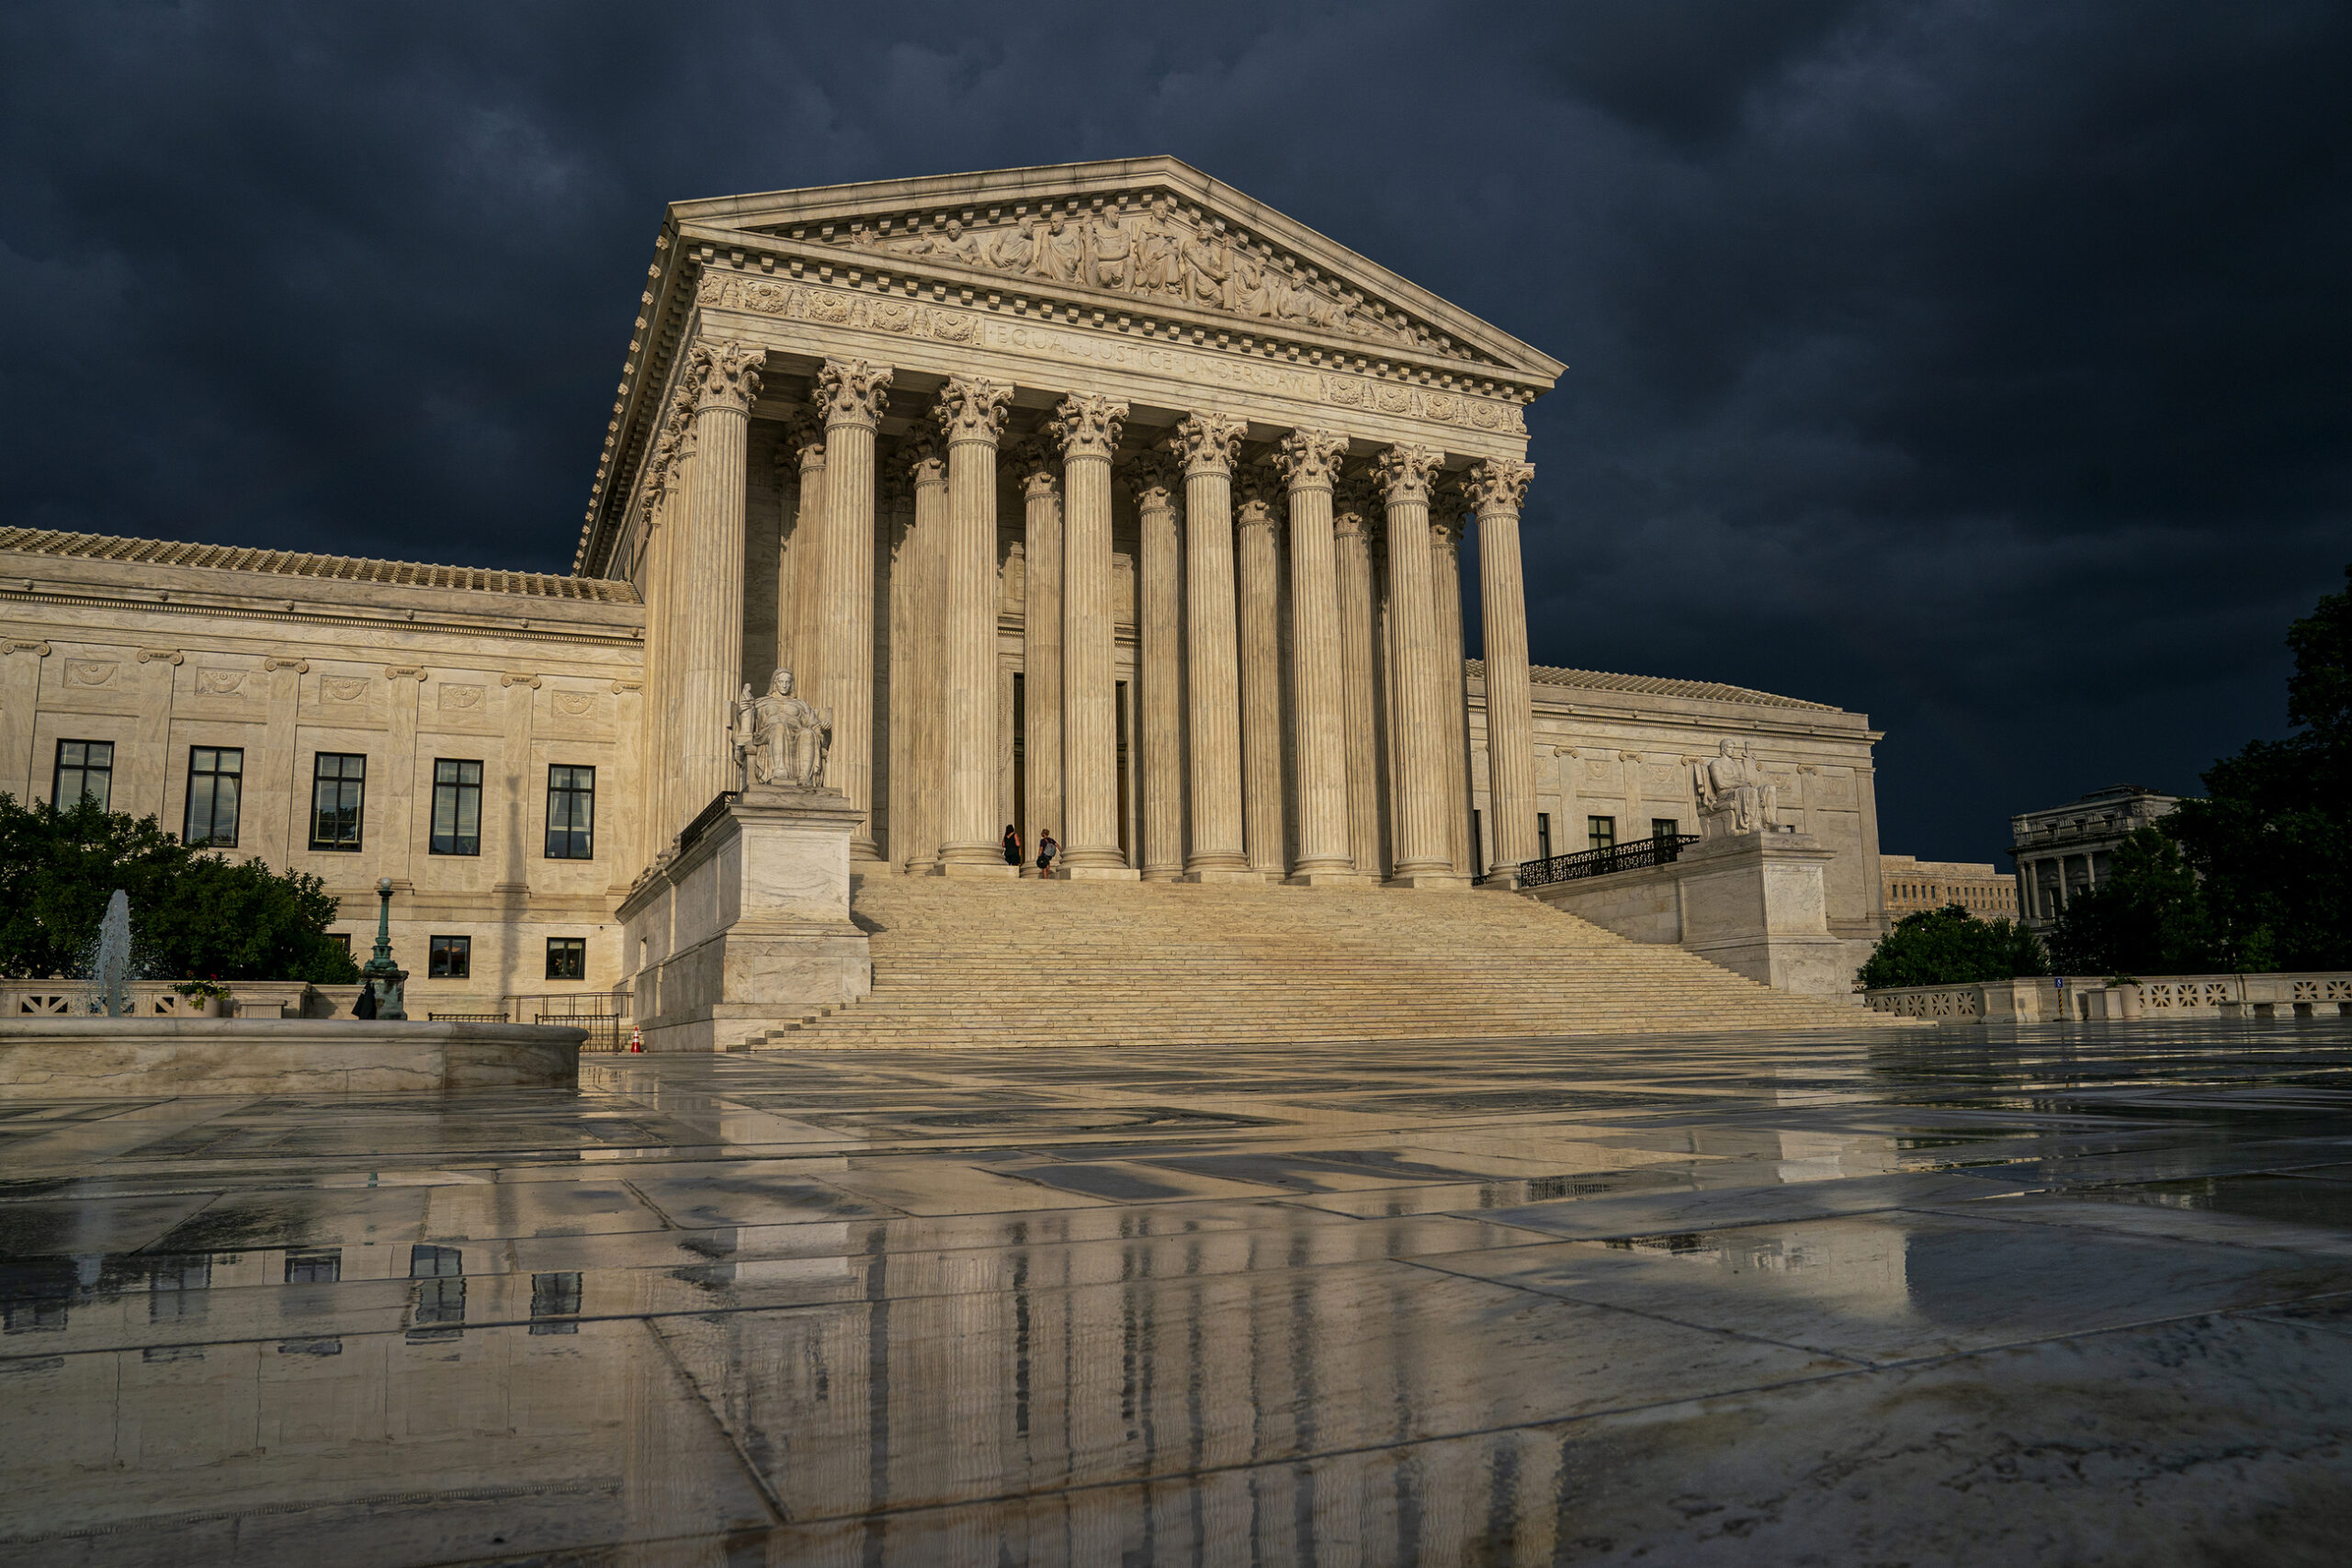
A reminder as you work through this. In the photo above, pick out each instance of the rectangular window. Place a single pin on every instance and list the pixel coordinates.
(555, 1301)
(1600, 833)
(438, 1296)
(338, 797)
(571, 813)
(450, 958)
(214, 776)
(1664, 828)
(457, 807)
(314, 1265)
(340, 938)
(567, 958)
(85, 771)
(1543, 835)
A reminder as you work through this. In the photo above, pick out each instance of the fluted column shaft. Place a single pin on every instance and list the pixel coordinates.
(1423, 854)
(1498, 490)
(922, 707)
(1207, 442)
(1454, 690)
(1088, 428)
(712, 641)
(1359, 707)
(971, 416)
(654, 716)
(799, 592)
(852, 393)
(1159, 588)
(1038, 468)
(1310, 461)
(1258, 572)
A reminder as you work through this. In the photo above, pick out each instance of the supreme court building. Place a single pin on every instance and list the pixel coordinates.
(1095, 496)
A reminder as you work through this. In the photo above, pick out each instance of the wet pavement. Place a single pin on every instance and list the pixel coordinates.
(2068, 1296)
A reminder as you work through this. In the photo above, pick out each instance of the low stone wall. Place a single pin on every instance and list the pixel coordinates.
(2079, 997)
(83, 1058)
(155, 998)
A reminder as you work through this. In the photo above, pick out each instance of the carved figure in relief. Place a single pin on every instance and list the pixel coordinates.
(1113, 253)
(1012, 249)
(1209, 268)
(780, 739)
(1156, 270)
(1733, 794)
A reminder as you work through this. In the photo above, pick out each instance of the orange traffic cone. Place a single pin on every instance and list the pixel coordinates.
(636, 1041)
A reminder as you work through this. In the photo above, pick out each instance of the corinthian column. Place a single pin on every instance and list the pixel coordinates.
(1155, 480)
(1037, 467)
(1205, 443)
(971, 416)
(1423, 857)
(1309, 461)
(1361, 710)
(798, 590)
(1257, 575)
(852, 393)
(1497, 492)
(1453, 692)
(923, 705)
(1088, 427)
(725, 378)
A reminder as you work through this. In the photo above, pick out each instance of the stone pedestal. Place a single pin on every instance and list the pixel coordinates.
(747, 926)
(1754, 903)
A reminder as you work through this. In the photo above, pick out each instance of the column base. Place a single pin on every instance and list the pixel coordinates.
(976, 870)
(1330, 879)
(1226, 874)
(1096, 873)
(1162, 874)
(1449, 880)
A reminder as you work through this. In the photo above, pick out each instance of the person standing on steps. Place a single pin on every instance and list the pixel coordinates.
(1013, 849)
(1047, 851)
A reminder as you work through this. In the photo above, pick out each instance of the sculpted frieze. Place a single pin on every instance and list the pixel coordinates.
(724, 289)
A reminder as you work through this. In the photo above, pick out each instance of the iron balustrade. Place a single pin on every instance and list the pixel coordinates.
(1663, 848)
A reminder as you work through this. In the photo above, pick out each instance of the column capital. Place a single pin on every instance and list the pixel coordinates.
(1449, 510)
(803, 447)
(1205, 443)
(973, 409)
(1310, 459)
(1033, 462)
(1498, 486)
(724, 374)
(1403, 473)
(923, 458)
(1154, 479)
(1354, 502)
(852, 391)
(1087, 424)
(1255, 497)
(893, 477)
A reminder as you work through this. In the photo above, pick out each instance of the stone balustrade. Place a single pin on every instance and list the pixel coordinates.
(2050, 999)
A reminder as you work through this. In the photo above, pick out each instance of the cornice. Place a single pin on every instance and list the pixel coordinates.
(188, 605)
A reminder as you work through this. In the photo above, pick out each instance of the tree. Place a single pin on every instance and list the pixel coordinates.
(1951, 947)
(2272, 841)
(2150, 917)
(194, 914)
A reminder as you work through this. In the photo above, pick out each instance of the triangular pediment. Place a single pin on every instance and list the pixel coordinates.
(1142, 233)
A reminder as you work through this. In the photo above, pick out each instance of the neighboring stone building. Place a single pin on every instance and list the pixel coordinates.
(1911, 885)
(1096, 497)
(2064, 850)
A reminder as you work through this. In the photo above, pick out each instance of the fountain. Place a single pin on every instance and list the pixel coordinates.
(109, 990)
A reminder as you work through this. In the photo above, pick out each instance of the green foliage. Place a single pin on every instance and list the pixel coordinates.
(1951, 947)
(192, 913)
(2272, 841)
(2149, 917)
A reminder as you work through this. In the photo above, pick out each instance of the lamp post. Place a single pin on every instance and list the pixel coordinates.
(386, 978)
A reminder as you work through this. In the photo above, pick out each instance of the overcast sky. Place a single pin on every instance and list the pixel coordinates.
(1980, 365)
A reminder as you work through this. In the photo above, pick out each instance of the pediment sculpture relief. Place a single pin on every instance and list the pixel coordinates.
(1154, 252)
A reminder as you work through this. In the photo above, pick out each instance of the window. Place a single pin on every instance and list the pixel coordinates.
(338, 794)
(457, 807)
(1600, 833)
(450, 958)
(1542, 835)
(567, 958)
(314, 1265)
(340, 938)
(85, 771)
(1664, 828)
(571, 813)
(214, 775)
(555, 1301)
(438, 1296)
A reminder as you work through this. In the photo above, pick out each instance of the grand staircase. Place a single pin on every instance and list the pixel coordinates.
(1002, 963)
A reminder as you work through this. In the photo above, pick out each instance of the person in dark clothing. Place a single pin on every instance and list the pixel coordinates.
(1013, 849)
(364, 1005)
(1047, 851)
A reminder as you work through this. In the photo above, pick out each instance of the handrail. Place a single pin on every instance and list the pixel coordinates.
(1663, 848)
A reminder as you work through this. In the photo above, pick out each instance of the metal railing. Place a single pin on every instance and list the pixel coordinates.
(603, 1014)
(1663, 850)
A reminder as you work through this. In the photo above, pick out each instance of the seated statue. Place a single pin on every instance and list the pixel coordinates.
(1733, 794)
(781, 739)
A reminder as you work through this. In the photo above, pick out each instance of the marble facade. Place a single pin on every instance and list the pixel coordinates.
(1095, 496)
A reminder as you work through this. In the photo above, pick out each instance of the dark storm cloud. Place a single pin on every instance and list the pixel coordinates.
(1980, 364)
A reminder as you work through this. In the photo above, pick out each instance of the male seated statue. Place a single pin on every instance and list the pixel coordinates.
(781, 739)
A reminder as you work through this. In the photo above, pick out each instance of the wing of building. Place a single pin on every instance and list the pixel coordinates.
(1097, 498)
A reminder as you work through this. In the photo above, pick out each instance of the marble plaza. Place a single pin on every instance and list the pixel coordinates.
(1098, 498)
(2051, 1296)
